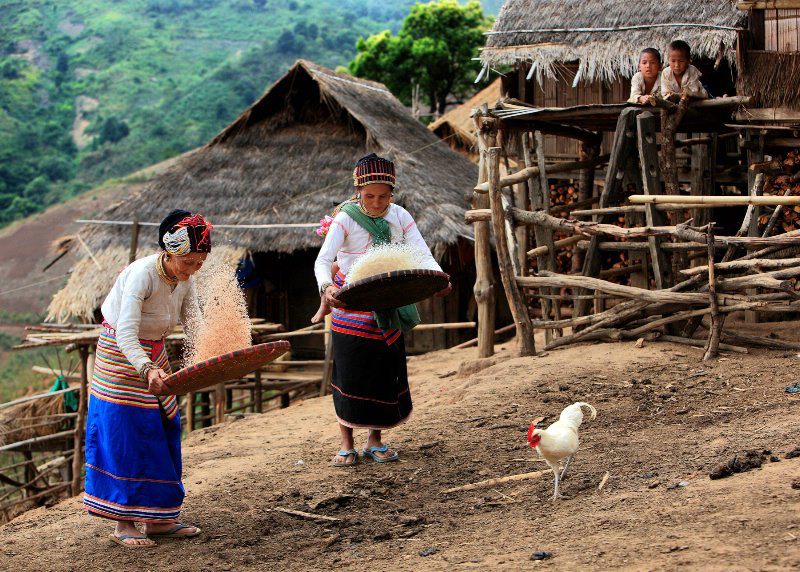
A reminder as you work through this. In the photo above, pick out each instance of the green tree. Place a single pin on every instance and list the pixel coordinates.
(113, 130)
(434, 49)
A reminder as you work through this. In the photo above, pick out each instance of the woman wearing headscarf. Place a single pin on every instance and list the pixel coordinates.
(133, 448)
(370, 381)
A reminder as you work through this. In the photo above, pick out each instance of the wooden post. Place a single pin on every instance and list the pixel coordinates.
(205, 408)
(715, 331)
(484, 287)
(623, 148)
(190, 411)
(219, 403)
(134, 239)
(327, 367)
(755, 154)
(702, 177)
(651, 185)
(588, 152)
(80, 422)
(540, 201)
(516, 302)
(521, 202)
(258, 394)
(669, 126)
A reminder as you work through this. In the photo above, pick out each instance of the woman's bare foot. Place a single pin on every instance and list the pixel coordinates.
(346, 434)
(172, 530)
(124, 532)
(323, 311)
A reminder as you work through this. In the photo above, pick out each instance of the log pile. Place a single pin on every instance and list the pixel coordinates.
(754, 273)
(782, 179)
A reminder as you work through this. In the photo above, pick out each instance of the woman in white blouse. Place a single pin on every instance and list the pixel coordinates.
(133, 449)
(370, 382)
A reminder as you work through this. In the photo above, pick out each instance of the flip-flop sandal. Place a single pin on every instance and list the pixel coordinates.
(123, 537)
(346, 454)
(370, 452)
(173, 532)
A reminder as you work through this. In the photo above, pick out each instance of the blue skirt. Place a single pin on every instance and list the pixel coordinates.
(133, 441)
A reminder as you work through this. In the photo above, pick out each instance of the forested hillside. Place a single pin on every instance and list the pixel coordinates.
(93, 89)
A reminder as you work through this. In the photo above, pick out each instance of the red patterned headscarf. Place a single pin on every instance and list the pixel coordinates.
(182, 232)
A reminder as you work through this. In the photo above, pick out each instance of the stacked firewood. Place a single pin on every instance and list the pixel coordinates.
(752, 274)
(782, 179)
(563, 193)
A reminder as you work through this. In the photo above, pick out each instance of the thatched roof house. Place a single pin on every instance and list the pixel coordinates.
(285, 160)
(456, 126)
(604, 37)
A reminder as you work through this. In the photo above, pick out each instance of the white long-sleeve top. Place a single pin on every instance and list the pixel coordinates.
(690, 83)
(638, 87)
(347, 240)
(142, 306)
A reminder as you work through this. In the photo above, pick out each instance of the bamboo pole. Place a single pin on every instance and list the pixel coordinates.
(716, 200)
(519, 310)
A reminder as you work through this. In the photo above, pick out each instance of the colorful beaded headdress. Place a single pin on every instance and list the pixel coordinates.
(373, 169)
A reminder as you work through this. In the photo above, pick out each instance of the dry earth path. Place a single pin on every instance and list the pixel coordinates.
(665, 420)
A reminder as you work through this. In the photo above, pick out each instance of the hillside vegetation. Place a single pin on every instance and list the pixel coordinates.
(91, 90)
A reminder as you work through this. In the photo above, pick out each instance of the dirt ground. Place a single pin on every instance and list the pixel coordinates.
(665, 420)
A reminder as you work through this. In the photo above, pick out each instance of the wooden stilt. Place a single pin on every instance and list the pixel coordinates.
(714, 333)
(651, 185)
(537, 188)
(516, 302)
(484, 283)
(623, 148)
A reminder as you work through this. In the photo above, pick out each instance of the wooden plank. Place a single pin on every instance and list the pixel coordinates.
(651, 185)
(769, 114)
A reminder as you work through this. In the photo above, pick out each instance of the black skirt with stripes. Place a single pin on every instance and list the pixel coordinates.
(370, 382)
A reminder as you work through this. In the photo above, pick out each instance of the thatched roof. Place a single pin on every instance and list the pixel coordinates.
(287, 159)
(605, 37)
(457, 123)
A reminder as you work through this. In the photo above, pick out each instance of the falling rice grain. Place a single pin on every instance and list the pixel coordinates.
(222, 324)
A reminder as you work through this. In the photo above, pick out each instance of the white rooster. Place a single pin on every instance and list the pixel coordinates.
(560, 440)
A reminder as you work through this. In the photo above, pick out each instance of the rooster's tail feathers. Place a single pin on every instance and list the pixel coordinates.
(592, 409)
(572, 414)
